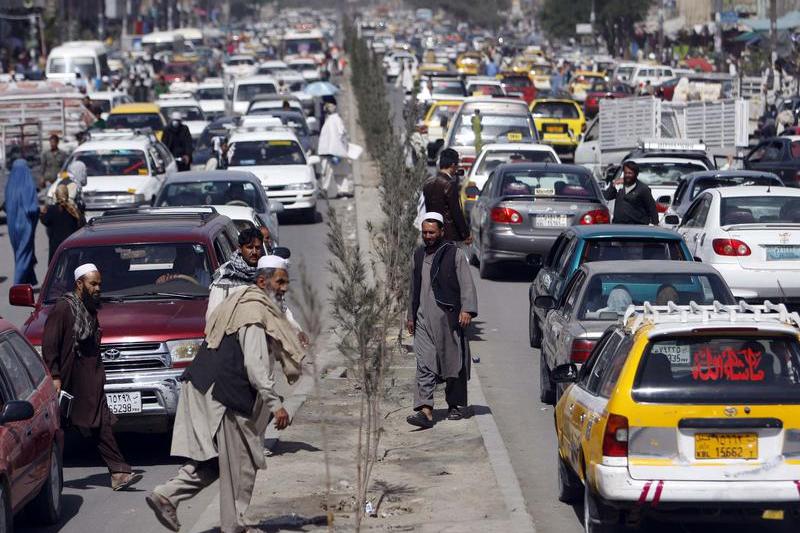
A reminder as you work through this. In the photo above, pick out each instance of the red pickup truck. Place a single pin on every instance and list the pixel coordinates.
(156, 267)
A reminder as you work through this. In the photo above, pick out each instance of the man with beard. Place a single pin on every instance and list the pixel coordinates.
(71, 349)
(225, 398)
(634, 203)
(443, 303)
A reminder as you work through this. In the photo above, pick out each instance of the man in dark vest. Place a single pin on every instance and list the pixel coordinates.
(633, 203)
(441, 193)
(443, 303)
(227, 394)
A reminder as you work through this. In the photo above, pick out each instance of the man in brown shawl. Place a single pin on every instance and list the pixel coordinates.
(71, 348)
(221, 418)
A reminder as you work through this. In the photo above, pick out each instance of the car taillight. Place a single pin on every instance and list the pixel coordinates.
(730, 247)
(662, 208)
(506, 215)
(615, 437)
(422, 128)
(472, 191)
(595, 216)
(466, 161)
(581, 350)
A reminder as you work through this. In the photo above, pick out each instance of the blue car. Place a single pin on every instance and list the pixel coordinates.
(606, 242)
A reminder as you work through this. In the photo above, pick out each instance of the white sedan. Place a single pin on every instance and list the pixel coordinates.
(751, 235)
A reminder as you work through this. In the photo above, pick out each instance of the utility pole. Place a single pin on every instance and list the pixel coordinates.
(773, 38)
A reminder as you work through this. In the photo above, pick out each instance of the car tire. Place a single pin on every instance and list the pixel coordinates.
(534, 330)
(6, 518)
(310, 215)
(570, 487)
(45, 508)
(597, 516)
(546, 389)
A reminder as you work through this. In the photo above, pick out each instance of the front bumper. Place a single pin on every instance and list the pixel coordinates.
(502, 244)
(159, 389)
(294, 199)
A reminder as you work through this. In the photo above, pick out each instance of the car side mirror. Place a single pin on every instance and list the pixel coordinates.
(16, 411)
(21, 295)
(567, 373)
(313, 160)
(672, 220)
(545, 302)
(275, 207)
(666, 200)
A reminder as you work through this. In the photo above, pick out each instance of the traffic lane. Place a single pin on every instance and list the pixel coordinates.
(509, 370)
(89, 503)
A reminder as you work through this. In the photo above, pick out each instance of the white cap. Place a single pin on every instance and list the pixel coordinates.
(175, 115)
(433, 215)
(273, 261)
(84, 269)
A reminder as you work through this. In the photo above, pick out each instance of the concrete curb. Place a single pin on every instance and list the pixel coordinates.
(521, 521)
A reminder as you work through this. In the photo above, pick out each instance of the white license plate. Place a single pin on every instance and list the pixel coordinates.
(124, 403)
(783, 253)
(550, 221)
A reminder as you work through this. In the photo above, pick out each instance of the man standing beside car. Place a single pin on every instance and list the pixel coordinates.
(633, 203)
(71, 349)
(441, 196)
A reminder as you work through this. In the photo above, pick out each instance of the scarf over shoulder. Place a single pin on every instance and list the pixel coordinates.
(253, 306)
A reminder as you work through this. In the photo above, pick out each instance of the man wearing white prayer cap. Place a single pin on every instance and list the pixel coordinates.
(71, 349)
(274, 262)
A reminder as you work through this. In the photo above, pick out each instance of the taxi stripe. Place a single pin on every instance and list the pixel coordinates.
(657, 495)
(645, 490)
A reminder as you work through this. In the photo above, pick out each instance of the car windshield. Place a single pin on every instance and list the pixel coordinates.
(609, 295)
(495, 158)
(113, 162)
(211, 193)
(453, 88)
(247, 92)
(136, 271)
(68, 65)
(731, 181)
(494, 128)
(485, 89)
(517, 81)
(555, 110)
(132, 121)
(706, 368)
(210, 93)
(236, 61)
(632, 249)
(760, 210)
(186, 112)
(653, 173)
(547, 184)
(302, 46)
(179, 68)
(295, 121)
(256, 153)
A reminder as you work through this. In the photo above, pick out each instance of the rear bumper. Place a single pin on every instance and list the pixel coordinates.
(615, 485)
(758, 285)
(159, 389)
(501, 244)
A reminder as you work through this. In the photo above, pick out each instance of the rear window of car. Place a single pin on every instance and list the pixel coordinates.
(555, 110)
(547, 184)
(631, 250)
(132, 121)
(609, 295)
(495, 158)
(731, 181)
(760, 210)
(719, 369)
(494, 128)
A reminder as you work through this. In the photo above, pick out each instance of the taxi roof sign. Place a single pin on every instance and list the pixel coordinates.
(683, 145)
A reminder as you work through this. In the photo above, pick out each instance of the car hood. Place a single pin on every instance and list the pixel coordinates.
(137, 321)
(212, 105)
(116, 183)
(273, 175)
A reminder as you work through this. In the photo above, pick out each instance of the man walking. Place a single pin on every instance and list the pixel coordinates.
(443, 303)
(52, 161)
(441, 196)
(71, 349)
(333, 146)
(178, 140)
(634, 203)
(220, 421)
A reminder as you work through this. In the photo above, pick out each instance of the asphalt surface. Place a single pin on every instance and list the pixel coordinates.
(89, 504)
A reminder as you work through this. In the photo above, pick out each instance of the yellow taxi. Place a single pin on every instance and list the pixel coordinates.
(469, 63)
(685, 409)
(438, 117)
(581, 81)
(540, 74)
(427, 69)
(138, 116)
(559, 122)
(522, 65)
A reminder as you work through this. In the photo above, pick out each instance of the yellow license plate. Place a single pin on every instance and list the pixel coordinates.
(726, 446)
(554, 129)
(514, 136)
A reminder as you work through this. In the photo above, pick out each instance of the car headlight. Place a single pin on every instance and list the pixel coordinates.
(130, 198)
(183, 351)
(306, 186)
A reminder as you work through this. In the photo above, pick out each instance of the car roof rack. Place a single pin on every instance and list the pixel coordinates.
(636, 317)
(202, 213)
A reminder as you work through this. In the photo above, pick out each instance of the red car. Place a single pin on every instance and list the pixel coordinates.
(519, 85)
(600, 90)
(156, 265)
(178, 71)
(31, 439)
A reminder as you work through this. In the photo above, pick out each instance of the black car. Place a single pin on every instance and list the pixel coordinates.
(779, 155)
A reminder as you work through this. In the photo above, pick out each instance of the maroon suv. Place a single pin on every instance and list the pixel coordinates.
(31, 439)
(156, 266)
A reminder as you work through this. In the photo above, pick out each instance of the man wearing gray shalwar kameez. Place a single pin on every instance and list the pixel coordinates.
(443, 303)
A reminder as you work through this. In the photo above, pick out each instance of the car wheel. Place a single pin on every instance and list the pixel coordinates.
(569, 484)
(310, 215)
(597, 517)
(546, 391)
(46, 507)
(6, 520)
(535, 331)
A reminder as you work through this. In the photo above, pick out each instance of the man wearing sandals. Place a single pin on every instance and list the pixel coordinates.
(443, 303)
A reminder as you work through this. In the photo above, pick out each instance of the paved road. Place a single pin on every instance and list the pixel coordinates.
(89, 505)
